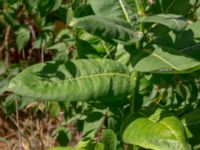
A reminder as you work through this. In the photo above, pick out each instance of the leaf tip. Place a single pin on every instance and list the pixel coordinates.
(11, 86)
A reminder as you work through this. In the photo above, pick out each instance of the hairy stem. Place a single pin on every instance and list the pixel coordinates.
(140, 5)
(5, 46)
(134, 98)
(136, 75)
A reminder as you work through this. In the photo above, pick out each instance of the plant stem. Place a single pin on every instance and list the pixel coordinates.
(134, 98)
(18, 126)
(140, 5)
(5, 46)
(136, 76)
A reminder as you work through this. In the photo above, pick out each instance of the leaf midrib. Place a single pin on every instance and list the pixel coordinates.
(92, 76)
(163, 59)
(112, 24)
(124, 11)
(172, 131)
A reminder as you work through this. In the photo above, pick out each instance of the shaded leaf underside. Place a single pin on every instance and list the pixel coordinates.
(174, 22)
(115, 29)
(120, 9)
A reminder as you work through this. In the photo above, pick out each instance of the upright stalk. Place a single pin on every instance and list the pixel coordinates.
(136, 75)
(140, 5)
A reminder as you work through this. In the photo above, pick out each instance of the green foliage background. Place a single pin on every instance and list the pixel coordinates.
(125, 72)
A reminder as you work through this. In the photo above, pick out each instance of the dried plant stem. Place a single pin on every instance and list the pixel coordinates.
(40, 126)
(18, 127)
(5, 46)
(42, 53)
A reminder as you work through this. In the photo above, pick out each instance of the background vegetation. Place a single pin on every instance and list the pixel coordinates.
(109, 74)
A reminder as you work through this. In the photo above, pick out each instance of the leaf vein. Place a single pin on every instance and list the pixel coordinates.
(172, 131)
(124, 11)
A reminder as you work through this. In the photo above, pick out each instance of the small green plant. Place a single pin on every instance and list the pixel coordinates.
(130, 77)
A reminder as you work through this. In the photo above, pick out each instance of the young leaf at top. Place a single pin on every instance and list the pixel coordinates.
(174, 22)
(23, 36)
(116, 29)
(76, 80)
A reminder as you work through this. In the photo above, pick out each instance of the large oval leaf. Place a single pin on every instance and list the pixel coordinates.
(164, 134)
(77, 80)
(115, 29)
(164, 60)
(174, 22)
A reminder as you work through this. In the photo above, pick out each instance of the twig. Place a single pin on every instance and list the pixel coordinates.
(21, 133)
(23, 54)
(32, 32)
(99, 132)
(42, 53)
(5, 46)
(18, 127)
(6, 94)
(39, 124)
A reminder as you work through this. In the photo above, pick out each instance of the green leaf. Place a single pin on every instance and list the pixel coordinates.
(164, 60)
(2, 68)
(174, 22)
(186, 42)
(100, 45)
(61, 51)
(48, 28)
(63, 35)
(122, 55)
(10, 17)
(191, 123)
(58, 47)
(44, 39)
(9, 104)
(115, 29)
(181, 7)
(92, 123)
(90, 46)
(53, 109)
(190, 40)
(161, 133)
(45, 7)
(57, 5)
(23, 36)
(3, 85)
(113, 9)
(99, 146)
(109, 140)
(63, 136)
(76, 80)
